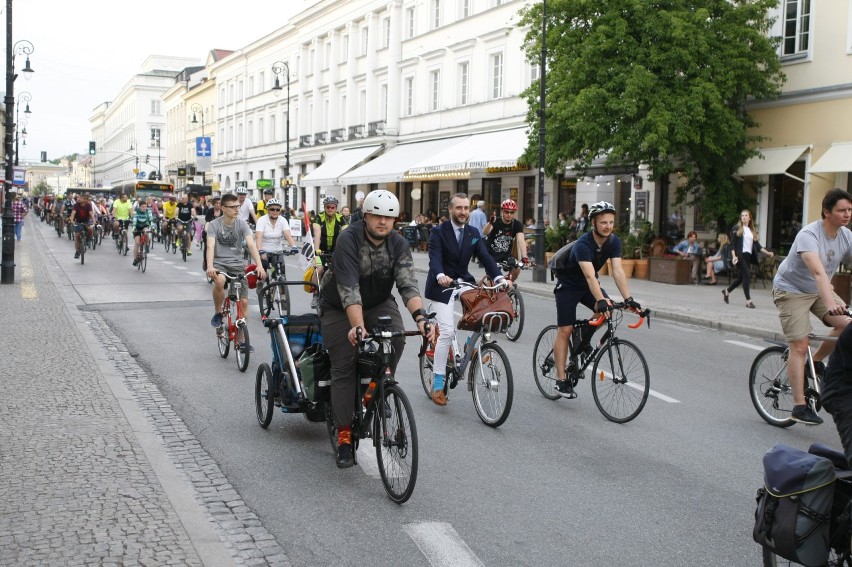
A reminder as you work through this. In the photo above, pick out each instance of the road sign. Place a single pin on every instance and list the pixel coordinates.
(202, 146)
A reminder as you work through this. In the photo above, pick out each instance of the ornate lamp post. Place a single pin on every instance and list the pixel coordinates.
(7, 266)
(155, 141)
(134, 147)
(21, 125)
(197, 109)
(281, 69)
(540, 271)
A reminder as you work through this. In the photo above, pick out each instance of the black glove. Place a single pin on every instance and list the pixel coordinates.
(603, 306)
(633, 304)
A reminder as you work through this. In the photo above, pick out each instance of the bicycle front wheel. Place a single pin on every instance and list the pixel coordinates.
(395, 438)
(544, 365)
(769, 387)
(183, 245)
(242, 346)
(264, 398)
(620, 381)
(514, 331)
(427, 370)
(492, 384)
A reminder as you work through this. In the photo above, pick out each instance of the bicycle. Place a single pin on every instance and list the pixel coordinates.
(185, 236)
(280, 384)
(512, 269)
(275, 297)
(121, 238)
(57, 224)
(490, 376)
(169, 236)
(231, 330)
(769, 385)
(98, 235)
(384, 413)
(85, 240)
(145, 244)
(620, 376)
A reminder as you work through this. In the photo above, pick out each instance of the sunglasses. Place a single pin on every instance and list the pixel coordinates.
(274, 210)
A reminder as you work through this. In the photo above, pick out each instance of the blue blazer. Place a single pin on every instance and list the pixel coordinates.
(446, 257)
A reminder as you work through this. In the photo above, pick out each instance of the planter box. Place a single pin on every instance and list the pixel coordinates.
(671, 270)
(841, 283)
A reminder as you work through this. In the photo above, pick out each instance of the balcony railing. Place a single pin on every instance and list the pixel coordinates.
(356, 131)
(321, 138)
(376, 128)
(305, 141)
(337, 135)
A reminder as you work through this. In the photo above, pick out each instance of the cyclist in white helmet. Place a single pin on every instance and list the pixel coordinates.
(370, 257)
(246, 206)
(576, 270)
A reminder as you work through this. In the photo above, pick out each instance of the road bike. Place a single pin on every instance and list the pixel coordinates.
(69, 228)
(145, 245)
(512, 269)
(185, 242)
(275, 296)
(769, 385)
(620, 376)
(279, 384)
(382, 412)
(121, 237)
(489, 376)
(85, 239)
(234, 330)
(169, 236)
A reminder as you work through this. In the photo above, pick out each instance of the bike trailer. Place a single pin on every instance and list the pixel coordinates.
(302, 331)
(793, 512)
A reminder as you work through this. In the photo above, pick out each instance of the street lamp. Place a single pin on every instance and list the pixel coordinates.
(280, 68)
(7, 265)
(540, 271)
(134, 147)
(21, 124)
(197, 108)
(155, 141)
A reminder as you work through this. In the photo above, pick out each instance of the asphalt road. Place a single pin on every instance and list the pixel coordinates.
(557, 484)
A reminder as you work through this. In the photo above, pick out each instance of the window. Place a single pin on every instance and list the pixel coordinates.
(344, 48)
(260, 132)
(272, 132)
(465, 8)
(231, 93)
(386, 29)
(261, 79)
(410, 26)
(221, 147)
(535, 71)
(155, 137)
(155, 107)
(409, 96)
(464, 82)
(222, 96)
(797, 25)
(311, 60)
(435, 91)
(365, 40)
(240, 90)
(383, 102)
(230, 138)
(497, 75)
(436, 14)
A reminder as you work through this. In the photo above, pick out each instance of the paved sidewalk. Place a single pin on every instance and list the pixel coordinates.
(95, 468)
(695, 304)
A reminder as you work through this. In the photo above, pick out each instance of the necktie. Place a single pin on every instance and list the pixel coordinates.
(459, 236)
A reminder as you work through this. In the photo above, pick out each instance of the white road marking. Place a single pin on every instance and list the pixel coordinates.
(746, 345)
(441, 545)
(366, 455)
(181, 268)
(651, 392)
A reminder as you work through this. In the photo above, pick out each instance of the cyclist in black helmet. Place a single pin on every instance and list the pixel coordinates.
(577, 282)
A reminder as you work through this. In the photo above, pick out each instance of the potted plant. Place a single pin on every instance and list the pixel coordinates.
(644, 236)
(554, 239)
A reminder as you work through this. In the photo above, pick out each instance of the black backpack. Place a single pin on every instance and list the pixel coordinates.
(559, 263)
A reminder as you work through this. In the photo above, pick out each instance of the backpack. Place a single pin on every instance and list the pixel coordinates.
(559, 263)
(793, 512)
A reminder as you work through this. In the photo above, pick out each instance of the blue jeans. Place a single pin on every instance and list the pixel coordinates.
(19, 228)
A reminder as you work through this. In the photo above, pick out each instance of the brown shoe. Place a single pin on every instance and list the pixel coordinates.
(439, 397)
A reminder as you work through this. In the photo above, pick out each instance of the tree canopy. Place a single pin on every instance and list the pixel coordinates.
(657, 82)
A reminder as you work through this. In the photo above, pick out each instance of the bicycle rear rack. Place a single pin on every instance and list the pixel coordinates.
(496, 322)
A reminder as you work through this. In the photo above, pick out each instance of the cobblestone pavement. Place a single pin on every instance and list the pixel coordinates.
(95, 467)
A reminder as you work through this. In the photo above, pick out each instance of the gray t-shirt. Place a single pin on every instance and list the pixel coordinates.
(229, 243)
(794, 276)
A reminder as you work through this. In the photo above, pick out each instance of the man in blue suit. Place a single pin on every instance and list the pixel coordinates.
(451, 245)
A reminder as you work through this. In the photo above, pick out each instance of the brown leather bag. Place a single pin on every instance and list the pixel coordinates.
(477, 302)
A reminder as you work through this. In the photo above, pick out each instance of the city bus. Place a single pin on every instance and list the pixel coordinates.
(143, 189)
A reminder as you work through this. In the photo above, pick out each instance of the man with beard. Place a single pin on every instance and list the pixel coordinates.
(451, 245)
(369, 258)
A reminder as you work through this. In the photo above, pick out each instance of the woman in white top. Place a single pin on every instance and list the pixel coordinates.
(271, 231)
(744, 246)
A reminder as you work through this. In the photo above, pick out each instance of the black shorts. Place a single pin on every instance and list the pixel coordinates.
(567, 299)
(138, 231)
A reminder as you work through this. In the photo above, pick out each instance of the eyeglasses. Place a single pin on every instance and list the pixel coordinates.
(331, 206)
(274, 210)
(231, 207)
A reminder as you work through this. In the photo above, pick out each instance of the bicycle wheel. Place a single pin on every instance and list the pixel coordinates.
(166, 242)
(264, 399)
(492, 384)
(144, 263)
(769, 386)
(183, 245)
(125, 247)
(514, 331)
(427, 371)
(242, 345)
(395, 438)
(544, 365)
(222, 332)
(620, 381)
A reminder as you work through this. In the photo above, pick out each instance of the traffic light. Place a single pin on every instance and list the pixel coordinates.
(92, 149)
(147, 158)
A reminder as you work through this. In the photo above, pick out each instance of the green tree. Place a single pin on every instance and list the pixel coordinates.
(659, 82)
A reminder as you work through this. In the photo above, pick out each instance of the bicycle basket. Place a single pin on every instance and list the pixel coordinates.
(485, 309)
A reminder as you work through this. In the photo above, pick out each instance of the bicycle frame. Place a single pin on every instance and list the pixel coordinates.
(811, 376)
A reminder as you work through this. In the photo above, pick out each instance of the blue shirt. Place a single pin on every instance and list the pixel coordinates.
(585, 249)
(686, 248)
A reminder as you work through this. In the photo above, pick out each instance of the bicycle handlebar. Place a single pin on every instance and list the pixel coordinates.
(460, 284)
(643, 315)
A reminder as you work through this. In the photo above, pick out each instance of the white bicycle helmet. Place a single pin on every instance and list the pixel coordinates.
(382, 203)
(273, 203)
(242, 191)
(600, 207)
(330, 200)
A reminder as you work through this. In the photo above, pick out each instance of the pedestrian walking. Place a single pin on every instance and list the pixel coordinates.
(744, 249)
(19, 210)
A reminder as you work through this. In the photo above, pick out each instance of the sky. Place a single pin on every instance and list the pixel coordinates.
(85, 52)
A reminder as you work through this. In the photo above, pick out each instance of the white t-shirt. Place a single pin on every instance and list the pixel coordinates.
(246, 210)
(273, 236)
(748, 241)
(794, 276)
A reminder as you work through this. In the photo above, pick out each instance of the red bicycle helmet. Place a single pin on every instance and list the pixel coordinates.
(509, 205)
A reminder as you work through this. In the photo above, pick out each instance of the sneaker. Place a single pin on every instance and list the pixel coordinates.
(216, 321)
(344, 458)
(189, 252)
(440, 398)
(136, 261)
(76, 255)
(315, 301)
(564, 389)
(804, 414)
(246, 348)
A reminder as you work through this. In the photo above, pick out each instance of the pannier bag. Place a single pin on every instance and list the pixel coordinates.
(794, 507)
(315, 368)
(302, 332)
(477, 302)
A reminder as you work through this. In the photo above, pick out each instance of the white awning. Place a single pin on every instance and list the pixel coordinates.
(838, 158)
(392, 165)
(336, 165)
(773, 161)
(478, 151)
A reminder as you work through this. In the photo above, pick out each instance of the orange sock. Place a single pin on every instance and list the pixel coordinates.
(344, 435)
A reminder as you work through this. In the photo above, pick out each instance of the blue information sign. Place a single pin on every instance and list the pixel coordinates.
(202, 146)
